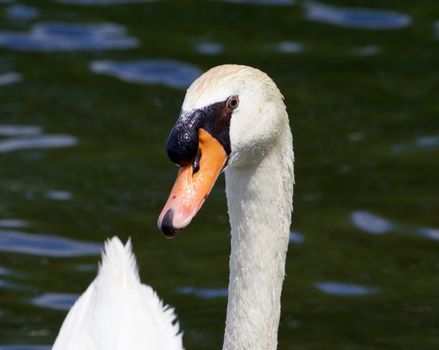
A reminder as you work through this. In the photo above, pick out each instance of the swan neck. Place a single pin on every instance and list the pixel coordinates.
(259, 200)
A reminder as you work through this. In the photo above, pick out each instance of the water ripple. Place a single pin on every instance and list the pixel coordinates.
(19, 130)
(262, 2)
(356, 17)
(171, 73)
(56, 301)
(37, 142)
(101, 2)
(371, 223)
(58, 195)
(13, 223)
(24, 347)
(289, 47)
(430, 233)
(45, 245)
(366, 51)
(377, 225)
(9, 78)
(428, 143)
(296, 237)
(60, 36)
(344, 289)
(5, 272)
(209, 48)
(204, 293)
(21, 12)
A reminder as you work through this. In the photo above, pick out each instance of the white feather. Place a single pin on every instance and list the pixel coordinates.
(117, 312)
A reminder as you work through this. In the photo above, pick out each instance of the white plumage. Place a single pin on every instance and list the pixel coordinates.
(117, 312)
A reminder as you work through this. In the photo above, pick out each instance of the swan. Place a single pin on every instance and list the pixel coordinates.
(117, 312)
(233, 120)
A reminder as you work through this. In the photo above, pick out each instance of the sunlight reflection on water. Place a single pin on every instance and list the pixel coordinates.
(356, 17)
(21, 12)
(24, 347)
(45, 245)
(204, 293)
(101, 2)
(262, 2)
(56, 301)
(344, 289)
(59, 195)
(289, 47)
(365, 51)
(426, 143)
(371, 223)
(13, 223)
(60, 36)
(296, 237)
(37, 142)
(377, 225)
(171, 73)
(19, 130)
(209, 48)
(9, 78)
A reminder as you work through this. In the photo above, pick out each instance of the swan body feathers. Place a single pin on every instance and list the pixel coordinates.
(117, 312)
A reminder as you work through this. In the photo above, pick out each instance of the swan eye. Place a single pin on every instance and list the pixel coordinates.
(233, 102)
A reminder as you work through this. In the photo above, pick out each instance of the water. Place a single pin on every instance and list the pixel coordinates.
(89, 90)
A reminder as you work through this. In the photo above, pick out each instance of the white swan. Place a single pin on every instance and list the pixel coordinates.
(235, 115)
(234, 119)
(117, 312)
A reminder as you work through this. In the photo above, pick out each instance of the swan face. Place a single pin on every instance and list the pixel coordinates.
(230, 117)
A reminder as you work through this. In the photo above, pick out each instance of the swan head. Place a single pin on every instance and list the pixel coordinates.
(230, 117)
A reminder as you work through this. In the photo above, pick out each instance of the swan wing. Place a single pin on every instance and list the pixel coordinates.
(118, 312)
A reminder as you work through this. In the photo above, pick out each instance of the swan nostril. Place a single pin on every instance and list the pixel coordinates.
(167, 226)
(196, 164)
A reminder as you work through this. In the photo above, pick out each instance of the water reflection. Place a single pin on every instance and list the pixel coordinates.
(356, 17)
(296, 237)
(204, 293)
(56, 301)
(365, 51)
(25, 347)
(37, 142)
(19, 130)
(101, 2)
(59, 195)
(423, 142)
(374, 224)
(13, 223)
(171, 73)
(344, 289)
(60, 36)
(209, 48)
(289, 47)
(45, 245)
(371, 223)
(9, 78)
(4, 271)
(262, 2)
(21, 12)
(430, 233)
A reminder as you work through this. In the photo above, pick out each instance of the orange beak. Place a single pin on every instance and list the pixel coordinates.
(193, 185)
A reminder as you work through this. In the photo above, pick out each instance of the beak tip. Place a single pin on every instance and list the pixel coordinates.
(166, 225)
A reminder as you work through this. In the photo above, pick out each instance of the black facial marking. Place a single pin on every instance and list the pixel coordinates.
(183, 140)
(167, 228)
(182, 145)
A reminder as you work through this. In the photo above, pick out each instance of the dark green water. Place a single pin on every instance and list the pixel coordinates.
(82, 158)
